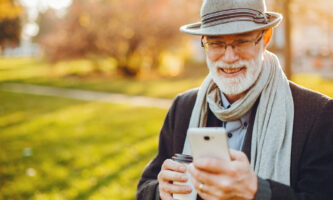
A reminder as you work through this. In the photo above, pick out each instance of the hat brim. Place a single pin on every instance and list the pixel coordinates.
(236, 27)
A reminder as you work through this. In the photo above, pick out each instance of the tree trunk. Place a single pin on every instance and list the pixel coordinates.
(288, 45)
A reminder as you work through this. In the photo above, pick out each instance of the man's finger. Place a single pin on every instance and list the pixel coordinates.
(202, 176)
(207, 196)
(208, 189)
(169, 164)
(175, 188)
(212, 165)
(167, 175)
(165, 196)
(237, 155)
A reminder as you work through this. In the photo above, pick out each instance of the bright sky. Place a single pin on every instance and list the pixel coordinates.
(34, 7)
(44, 4)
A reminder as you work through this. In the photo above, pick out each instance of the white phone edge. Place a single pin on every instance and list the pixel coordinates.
(216, 146)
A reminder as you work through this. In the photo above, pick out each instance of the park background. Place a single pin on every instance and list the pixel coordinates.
(85, 86)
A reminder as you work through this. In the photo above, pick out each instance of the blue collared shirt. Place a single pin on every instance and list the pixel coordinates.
(236, 129)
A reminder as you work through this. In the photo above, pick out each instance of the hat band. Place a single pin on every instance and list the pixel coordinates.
(231, 15)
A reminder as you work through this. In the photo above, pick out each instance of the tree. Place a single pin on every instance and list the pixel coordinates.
(10, 27)
(287, 34)
(134, 32)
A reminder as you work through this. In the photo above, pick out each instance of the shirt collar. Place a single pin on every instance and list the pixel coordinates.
(225, 102)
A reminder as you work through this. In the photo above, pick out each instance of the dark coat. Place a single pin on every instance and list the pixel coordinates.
(311, 170)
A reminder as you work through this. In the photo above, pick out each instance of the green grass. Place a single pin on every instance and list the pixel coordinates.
(80, 74)
(55, 148)
(315, 82)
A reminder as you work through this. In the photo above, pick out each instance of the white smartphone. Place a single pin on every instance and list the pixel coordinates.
(209, 142)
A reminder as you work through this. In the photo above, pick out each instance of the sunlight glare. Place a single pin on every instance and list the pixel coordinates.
(59, 4)
(41, 4)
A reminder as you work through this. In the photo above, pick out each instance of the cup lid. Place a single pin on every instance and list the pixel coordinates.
(182, 158)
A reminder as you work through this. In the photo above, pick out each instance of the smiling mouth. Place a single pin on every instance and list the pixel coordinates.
(231, 70)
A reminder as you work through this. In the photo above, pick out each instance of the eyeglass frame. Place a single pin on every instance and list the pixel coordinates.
(256, 41)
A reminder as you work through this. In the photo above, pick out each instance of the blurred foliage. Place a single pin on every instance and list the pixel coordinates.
(9, 9)
(305, 12)
(10, 23)
(54, 148)
(134, 32)
(313, 12)
(10, 31)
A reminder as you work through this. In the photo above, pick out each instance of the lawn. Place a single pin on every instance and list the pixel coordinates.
(80, 74)
(55, 148)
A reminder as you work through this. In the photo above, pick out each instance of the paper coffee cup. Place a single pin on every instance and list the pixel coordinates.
(186, 160)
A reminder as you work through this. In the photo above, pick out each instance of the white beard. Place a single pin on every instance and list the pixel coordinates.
(243, 81)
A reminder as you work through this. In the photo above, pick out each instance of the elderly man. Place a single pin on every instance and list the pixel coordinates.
(281, 134)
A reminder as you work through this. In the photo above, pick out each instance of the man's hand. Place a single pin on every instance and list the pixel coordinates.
(172, 171)
(221, 179)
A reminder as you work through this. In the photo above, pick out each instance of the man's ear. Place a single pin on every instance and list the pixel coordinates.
(268, 36)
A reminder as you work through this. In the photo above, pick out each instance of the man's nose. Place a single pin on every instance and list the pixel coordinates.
(230, 56)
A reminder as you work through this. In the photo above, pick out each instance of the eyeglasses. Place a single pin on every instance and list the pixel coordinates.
(218, 48)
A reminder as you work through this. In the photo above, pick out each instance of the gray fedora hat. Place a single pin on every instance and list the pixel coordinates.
(225, 17)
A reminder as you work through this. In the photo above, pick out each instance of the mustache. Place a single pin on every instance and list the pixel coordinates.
(238, 64)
